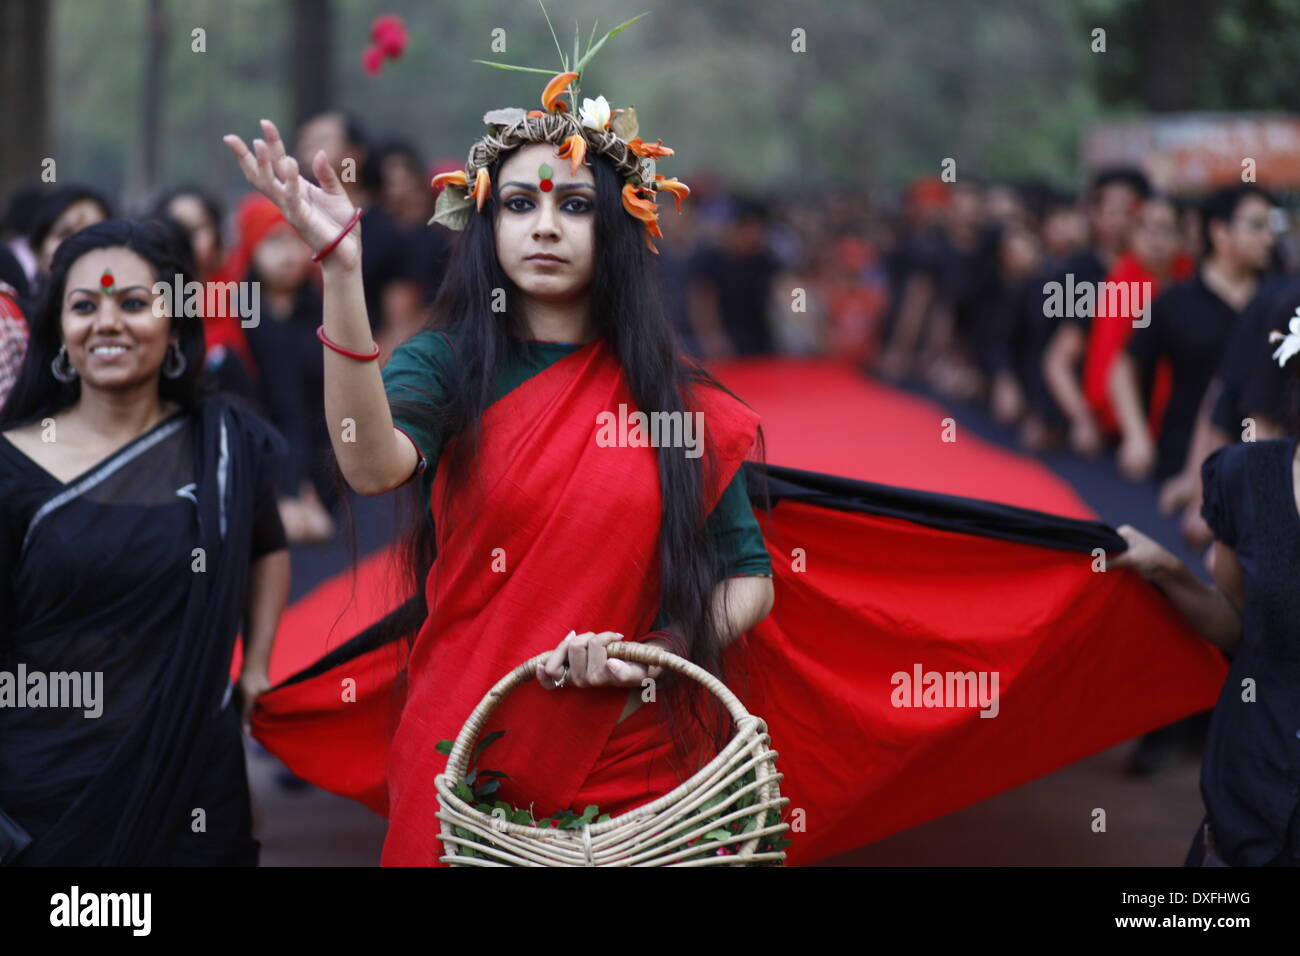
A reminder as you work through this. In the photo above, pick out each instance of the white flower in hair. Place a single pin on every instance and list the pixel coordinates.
(1290, 342)
(595, 113)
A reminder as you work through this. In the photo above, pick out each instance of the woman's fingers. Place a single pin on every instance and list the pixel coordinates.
(325, 175)
(598, 670)
(273, 140)
(248, 163)
(293, 184)
(551, 669)
(268, 182)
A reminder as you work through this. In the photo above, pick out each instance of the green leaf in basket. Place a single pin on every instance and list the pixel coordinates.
(494, 773)
(603, 817)
(718, 835)
(750, 824)
(590, 811)
(463, 791)
(745, 801)
(488, 741)
(471, 777)
(444, 747)
(489, 788)
(522, 818)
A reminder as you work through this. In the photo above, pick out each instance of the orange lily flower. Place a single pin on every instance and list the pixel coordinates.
(652, 229)
(456, 178)
(574, 150)
(536, 113)
(643, 209)
(648, 149)
(678, 189)
(482, 186)
(551, 101)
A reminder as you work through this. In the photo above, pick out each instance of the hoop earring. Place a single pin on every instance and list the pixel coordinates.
(174, 364)
(61, 367)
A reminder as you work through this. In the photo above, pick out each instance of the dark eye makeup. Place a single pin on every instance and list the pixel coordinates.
(584, 205)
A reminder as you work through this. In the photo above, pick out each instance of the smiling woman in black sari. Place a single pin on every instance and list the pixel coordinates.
(138, 536)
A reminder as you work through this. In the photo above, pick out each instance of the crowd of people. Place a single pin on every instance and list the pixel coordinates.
(1121, 323)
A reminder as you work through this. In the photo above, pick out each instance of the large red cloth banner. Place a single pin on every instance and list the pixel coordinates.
(1083, 659)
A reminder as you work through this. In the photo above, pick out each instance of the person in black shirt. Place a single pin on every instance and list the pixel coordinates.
(1114, 205)
(414, 268)
(1191, 325)
(1250, 403)
(1250, 774)
(731, 287)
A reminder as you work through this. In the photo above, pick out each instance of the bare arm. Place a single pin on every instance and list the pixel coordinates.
(918, 293)
(1125, 399)
(740, 603)
(268, 593)
(378, 457)
(1061, 370)
(1214, 610)
(1206, 437)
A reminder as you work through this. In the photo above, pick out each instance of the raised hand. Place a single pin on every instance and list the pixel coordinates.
(317, 213)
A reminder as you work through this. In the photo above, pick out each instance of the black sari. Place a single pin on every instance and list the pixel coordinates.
(101, 576)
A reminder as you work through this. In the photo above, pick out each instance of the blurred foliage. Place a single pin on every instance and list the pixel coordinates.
(886, 89)
(1200, 54)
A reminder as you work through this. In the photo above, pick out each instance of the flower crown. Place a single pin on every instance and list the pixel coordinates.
(595, 126)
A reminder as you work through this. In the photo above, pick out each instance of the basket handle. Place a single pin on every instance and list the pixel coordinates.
(458, 761)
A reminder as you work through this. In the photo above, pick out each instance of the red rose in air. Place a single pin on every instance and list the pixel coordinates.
(388, 36)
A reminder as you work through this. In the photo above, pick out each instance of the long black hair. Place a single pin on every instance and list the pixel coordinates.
(37, 393)
(627, 308)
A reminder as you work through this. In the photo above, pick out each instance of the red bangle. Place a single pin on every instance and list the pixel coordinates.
(356, 215)
(359, 356)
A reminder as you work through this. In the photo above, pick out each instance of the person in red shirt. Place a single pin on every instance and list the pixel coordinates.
(1153, 261)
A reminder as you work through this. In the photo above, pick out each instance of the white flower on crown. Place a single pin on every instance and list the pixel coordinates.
(1290, 342)
(595, 113)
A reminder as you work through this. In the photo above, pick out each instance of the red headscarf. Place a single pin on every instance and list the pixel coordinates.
(256, 218)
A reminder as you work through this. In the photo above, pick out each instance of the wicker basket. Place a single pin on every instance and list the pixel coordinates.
(655, 834)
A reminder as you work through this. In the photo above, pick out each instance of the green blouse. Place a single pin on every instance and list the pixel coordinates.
(415, 373)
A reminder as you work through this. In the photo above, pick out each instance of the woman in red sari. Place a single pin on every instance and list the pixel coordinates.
(551, 520)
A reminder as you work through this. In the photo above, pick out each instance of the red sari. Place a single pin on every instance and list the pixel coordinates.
(577, 525)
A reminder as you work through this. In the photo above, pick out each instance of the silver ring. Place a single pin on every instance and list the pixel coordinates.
(563, 678)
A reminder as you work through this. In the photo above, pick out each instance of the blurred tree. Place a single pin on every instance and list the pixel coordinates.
(1199, 54)
(25, 81)
(311, 58)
